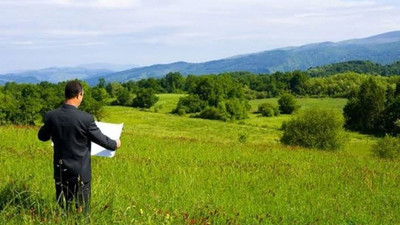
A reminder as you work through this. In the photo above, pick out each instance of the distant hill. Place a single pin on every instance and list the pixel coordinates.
(106, 66)
(54, 74)
(383, 49)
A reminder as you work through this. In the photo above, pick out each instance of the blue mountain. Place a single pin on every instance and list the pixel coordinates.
(383, 49)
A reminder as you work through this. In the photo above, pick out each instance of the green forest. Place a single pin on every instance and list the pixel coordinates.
(226, 96)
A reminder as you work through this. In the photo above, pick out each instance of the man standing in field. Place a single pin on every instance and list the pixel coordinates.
(72, 131)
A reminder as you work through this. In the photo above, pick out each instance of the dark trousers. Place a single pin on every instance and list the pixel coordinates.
(73, 192)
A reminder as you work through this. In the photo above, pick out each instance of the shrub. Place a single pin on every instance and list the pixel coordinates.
(315, 128)
(287, 104)
(181, 112)
(236, 109)
(211, 113)
(190, 104)
(268, 110)
(145, 98)
(242, 138)
(387, 147)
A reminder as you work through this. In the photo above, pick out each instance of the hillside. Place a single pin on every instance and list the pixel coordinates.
(383, 49)
(364, 67)
(180, 170)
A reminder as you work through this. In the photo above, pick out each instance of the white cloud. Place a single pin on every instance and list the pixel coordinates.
(215, 28)
(22, 43)
(72, 33)
(106, 4)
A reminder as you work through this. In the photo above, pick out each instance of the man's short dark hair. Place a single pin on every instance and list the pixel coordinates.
(72, 89)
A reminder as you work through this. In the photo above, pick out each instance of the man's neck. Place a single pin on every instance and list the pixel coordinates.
(72, 102)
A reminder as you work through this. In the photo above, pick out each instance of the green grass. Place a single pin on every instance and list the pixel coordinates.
(166, 103)
(180, 170)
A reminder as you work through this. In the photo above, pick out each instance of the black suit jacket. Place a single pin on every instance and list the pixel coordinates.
(71, 131)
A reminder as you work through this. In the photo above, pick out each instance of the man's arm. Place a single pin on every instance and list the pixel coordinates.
(44, 131)
(99, 138)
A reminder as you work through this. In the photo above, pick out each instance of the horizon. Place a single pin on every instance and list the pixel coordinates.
(132, 32)
(128, 67)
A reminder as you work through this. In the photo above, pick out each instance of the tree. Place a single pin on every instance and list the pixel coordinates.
(145, 98)
(297, 81)
(191, 83)
(102, 83)
(173, 82)
(113, 88)
(364, 112)
(124, 97)
(100, 94)
(287, 104)
(8, 109)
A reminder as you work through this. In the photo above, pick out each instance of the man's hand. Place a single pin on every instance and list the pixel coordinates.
(118, 143)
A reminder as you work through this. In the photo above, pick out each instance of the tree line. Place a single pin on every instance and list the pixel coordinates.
(224, 96)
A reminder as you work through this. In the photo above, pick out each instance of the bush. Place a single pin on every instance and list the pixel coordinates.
(145, 98)
(387, 147)
(211, 113)
(242, 138)
(181, 112)
(235, 109)
(315, 128)
(190, 104)
(268, 110)
(287, 104)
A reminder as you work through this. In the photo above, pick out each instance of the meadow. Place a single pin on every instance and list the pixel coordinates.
(180, 170)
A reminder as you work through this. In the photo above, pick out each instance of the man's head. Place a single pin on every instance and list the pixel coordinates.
(74, 93)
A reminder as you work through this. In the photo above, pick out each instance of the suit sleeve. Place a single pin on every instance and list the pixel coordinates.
(44, 131)
(99, 138)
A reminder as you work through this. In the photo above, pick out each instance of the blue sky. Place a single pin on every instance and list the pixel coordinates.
(43, 33)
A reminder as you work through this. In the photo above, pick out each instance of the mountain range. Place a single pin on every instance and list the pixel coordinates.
(57, 74)
(382, 48)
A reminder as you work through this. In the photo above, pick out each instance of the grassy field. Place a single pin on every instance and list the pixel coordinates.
(180, 170)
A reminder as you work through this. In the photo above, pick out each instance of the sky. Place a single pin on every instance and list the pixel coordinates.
(47, 33)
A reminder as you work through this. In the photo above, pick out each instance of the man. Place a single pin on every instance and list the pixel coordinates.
(72, 131)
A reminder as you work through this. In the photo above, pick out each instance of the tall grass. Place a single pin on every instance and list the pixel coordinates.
(180, 170)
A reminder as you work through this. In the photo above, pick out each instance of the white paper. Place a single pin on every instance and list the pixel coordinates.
(111, 130)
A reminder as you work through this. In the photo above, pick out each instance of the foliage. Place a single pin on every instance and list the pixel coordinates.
(315, 128)
(287, 104)
(391, 117)
(387, 147)
(26, 104)
(364, 112)
(90, 104)
(357, 66)
(268, 110)
(113, 88)
(211, 113)
(124, 98)
(190, 104)
(145, 98)
(234, 109)
(215, 97)
(173, 82)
